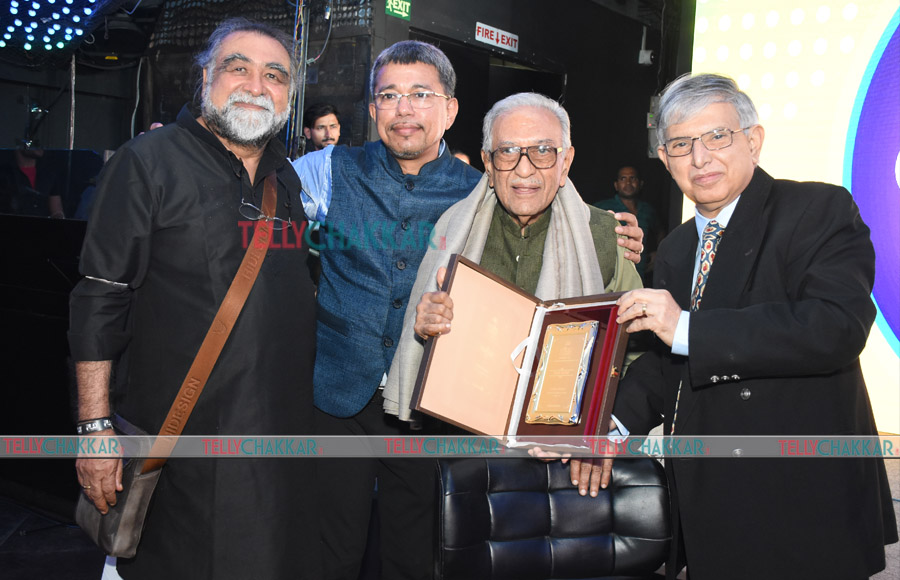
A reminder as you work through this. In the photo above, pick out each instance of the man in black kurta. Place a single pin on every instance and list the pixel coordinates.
(165, 239)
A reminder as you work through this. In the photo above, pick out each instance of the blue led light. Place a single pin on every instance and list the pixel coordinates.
(17, 22)
(30, 37)
(7, 36)
(46, 38)
(33, 25)
(2, 44)
(66, 10)
(35, 5)
(68, 31)
(11, 28)
(60, 44)
(27, 29)
(48, 46)
(56, 16)
(88, 11)
(76, 18)
(32, 13)
(79, 31)
(68, 37)
(56, 26)
(14, 4)
(27, 46)
(13, 11)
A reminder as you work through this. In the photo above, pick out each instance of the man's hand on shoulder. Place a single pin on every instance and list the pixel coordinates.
(634, 240)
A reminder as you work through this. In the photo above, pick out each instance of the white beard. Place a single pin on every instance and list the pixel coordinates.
(245, 127)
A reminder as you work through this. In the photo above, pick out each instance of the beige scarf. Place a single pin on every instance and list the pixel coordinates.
(569, 268)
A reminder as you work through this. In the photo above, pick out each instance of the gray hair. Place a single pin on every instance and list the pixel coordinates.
(520, 100)
(206, 59)
(412, 52)
(689, 94)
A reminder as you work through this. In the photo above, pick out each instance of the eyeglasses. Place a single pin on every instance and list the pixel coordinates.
(253, 213)
(541, 156)
(713, 141)
(417, 100)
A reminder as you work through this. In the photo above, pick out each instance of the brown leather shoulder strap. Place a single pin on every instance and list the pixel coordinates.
(218, 332)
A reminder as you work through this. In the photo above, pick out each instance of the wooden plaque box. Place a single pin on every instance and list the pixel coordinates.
(481, 375)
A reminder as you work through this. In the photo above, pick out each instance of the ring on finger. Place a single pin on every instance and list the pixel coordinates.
(644, 309)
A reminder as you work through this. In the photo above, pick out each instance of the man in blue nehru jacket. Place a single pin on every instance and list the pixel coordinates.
(378, 204)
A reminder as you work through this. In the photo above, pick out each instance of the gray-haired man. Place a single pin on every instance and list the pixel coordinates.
(166, 238)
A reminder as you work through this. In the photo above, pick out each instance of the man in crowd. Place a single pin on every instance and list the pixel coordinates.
(29, 185)
(628, 186)
(385, 197)
(168, 234)
(762, 308)
(524, 222)
(321, 126)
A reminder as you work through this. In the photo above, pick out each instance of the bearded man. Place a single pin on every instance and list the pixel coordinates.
(166, 238)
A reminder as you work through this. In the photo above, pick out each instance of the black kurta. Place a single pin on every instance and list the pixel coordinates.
(166, 223)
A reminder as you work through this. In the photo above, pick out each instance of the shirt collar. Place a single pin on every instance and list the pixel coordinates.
(722, 218)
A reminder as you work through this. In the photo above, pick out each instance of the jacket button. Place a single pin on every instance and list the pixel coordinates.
(745, 393)
(397, 303)
(409, 185)
(388, 341)
(714, 379)
(735, 377)
(404, 224)
(401, 265)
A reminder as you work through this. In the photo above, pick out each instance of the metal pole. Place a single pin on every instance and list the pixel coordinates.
(301, 85)
(72, 104)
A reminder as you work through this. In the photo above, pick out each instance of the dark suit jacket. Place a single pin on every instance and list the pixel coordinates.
(773, 351)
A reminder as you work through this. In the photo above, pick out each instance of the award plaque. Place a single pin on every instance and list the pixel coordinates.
(561, 373)
(517, 368)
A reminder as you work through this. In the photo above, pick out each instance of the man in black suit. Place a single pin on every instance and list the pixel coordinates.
(761, 310)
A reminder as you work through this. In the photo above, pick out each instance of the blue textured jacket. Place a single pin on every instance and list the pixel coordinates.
(377, 230)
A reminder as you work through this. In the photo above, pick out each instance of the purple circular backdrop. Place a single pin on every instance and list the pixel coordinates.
(874, 177)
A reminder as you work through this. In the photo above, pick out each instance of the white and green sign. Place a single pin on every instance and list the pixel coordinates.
(398, 8)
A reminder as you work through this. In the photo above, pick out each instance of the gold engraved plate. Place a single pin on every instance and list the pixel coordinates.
(562, 373)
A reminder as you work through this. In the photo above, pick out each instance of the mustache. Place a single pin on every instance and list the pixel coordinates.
(263, 101)
(406, 123)
(525, 183)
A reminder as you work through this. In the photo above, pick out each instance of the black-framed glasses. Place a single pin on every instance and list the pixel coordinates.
(417, 99)
(541, 156)
(253, 213)
(712, 140)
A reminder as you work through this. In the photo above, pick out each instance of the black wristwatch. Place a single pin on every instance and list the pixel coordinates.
(93, 425)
